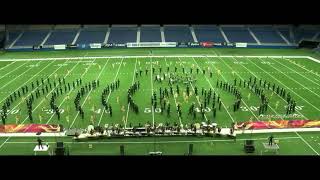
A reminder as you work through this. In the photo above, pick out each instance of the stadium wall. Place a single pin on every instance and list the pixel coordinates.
(129, 45)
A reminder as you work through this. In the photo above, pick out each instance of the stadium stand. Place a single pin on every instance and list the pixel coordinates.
(267, 34)
(208, 33)
(177, 33)
(238, 34)
(30, 38)
(61, 36)
(150, 34)
(13, 36)
(122, 34)
(285, 31)
(28, 35)
(92, 35)
(305, 33)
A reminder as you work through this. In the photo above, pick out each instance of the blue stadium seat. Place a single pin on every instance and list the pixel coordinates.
(305, 34)
(30, 38)
(61, 37)
(150, 34)
(122, 35)
(88, 36)
(238, 34)
(267, 35)
(286, 33)
(177, 34)
(208, 33)
(13, 36)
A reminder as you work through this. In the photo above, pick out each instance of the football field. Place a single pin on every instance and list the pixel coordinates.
(291, 70)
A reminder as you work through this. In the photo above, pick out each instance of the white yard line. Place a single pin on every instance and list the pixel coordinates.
(88, 94)
(69, 91)
(128, 108)
(28, 80)
(38, 105)
(214, 89)
(196, 96)
(309, 79)
(36, 88)
(277, 113)
(293, 79)
(152, 108)
(51, 90)
(4, 142)
(175, 101)
(158, 142)
(12, 70)
(148, 56)
(287, 87)
(278, 96)
(310, 71)
(307, 143)
(110, 91)
(16, 78)
(8, 65)
(241, 79)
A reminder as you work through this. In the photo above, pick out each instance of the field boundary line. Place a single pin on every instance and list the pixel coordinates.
(163, 142)
(128, 108)
(307, 143)
(115, 78)
(148, 56)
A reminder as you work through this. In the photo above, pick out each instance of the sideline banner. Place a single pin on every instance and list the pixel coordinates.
(29, 128)
(278, 124)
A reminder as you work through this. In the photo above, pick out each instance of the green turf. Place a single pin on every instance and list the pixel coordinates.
(301, 78)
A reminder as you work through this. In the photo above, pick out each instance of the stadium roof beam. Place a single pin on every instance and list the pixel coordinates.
(280, 34)
(223, 34)
(193, 34)
(107, 36)
(315, 36)
(163, 39)
(12, 44)
(254, 36)
(76, 36)
(46, 38)
(138, 34)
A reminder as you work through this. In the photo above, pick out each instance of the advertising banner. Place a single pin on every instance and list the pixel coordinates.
(29, 128)
(95, 45)
(241, 44)
(194, 44)
(278, 124)
(207, 44)
(59, 46)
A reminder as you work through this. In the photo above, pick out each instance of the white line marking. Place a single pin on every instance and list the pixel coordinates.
(88, 95)
(242, 79)
(287, 87)
(125, 57)
(128, 108)
(160, 142)
(307, 143)
(12, 70)
(110, 91)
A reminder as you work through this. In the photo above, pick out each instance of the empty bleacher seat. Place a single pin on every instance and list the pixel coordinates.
(92, 35)
(267, 34)
(61, 37)
(13, 36)
(238, 34)
(122, 35)
(150, 34)
(304, 33)
(177, 34)
(30, 38)
(208, 33)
